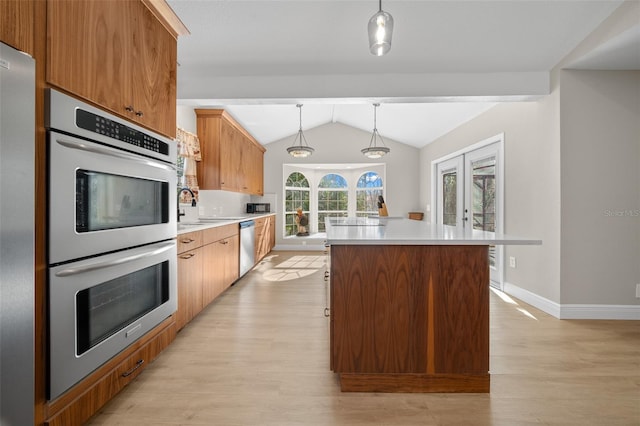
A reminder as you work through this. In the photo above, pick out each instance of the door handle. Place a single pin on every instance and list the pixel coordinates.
(82, 146)
(159, 248)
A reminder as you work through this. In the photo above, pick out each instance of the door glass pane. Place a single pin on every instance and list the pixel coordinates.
(107, 308)
(450, 200)
(107, 201)
(483, 203)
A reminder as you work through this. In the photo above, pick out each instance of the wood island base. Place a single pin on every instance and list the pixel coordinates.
(410, 318)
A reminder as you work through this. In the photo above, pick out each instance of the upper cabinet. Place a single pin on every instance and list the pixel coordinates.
(118, 56)
(231, 158)
(16, 24)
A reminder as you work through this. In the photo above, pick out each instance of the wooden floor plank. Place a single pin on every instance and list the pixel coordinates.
(259, 355)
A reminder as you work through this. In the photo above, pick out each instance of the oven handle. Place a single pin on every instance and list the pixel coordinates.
(160, 248)
(105, 151)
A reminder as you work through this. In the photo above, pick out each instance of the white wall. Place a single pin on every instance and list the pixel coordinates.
(600, 185)
(532, 190)
(186, 118)
(573, 180)
(338, 143)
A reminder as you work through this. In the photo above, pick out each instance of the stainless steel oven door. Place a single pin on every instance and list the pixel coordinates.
(99, 306)
(103, 199)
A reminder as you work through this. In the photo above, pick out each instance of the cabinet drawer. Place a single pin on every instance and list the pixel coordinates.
(189, 241)
(89, 401)
(219, 232)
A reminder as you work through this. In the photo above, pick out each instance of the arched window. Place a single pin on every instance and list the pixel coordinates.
(333, 198)
(368, 189)
(297, 193)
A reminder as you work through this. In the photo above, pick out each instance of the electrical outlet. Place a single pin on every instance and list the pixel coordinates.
(512, 261)
(638, 291)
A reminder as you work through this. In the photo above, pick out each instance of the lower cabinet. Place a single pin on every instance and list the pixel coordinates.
(208, 263)
(221, 268)
(190, 278)
(265, 236)
(85, 399)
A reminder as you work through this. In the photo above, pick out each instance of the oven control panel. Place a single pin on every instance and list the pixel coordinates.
(112, 129)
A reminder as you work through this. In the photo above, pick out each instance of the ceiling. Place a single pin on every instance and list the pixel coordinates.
(450, 60)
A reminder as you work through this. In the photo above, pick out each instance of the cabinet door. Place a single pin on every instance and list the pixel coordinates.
(259, 238)
(89, 50)
(16, 24)
(209, 133)
(229, 158)
(154, 73)
(231, 260)
(254, 168)
(189, 286)
(244, 148)
(213, 283)
(272, 232)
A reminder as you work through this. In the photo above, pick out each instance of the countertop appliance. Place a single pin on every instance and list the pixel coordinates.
(258, 208)
(17, 186)
(112, 228)
(247, 245)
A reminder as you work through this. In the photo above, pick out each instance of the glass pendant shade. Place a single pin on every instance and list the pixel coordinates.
(380, 32)
(300, 148)
(374, 150)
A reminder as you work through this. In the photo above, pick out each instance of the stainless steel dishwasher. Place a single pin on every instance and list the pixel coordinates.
(247, 245)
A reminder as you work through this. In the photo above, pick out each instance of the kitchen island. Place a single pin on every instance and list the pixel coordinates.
(409, 308)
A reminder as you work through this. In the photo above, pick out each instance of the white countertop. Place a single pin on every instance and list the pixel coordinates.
(400, 231)
(212, 221)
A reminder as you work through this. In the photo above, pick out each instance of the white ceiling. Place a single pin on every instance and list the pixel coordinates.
(450, 60)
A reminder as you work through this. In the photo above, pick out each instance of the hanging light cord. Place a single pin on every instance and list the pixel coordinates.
(300, 134)
(375, 126)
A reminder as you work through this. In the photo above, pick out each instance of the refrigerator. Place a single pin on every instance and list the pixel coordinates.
(17, 189)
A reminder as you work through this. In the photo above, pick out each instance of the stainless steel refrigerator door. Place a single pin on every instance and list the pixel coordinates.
(17, 186)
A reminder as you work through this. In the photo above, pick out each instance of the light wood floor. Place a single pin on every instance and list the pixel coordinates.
(259, 356)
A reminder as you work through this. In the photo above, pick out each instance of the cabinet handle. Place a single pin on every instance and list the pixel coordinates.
(187, 256)
(135, 367)
(187, 241)
(139, 113)
(224, 242)
(128, 108)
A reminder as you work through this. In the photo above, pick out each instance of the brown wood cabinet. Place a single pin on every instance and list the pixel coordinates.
(410, 318)
(208, 263)
(16, 24)
(77, 405)
(190, 277)
(120, 58)
(221, 265)
(265, 236)
(231, 158)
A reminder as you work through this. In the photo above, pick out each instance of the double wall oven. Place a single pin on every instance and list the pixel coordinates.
(112, 228)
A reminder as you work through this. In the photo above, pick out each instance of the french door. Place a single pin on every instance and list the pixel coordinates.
(469, 194)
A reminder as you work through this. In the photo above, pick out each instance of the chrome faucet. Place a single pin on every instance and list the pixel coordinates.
(193, 200)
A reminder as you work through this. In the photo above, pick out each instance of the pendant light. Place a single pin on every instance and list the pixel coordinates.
(302, 149)
(374, 150)
(380, 31)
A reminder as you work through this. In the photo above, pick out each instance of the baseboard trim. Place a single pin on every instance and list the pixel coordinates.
(574, 311)
(546, 305)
